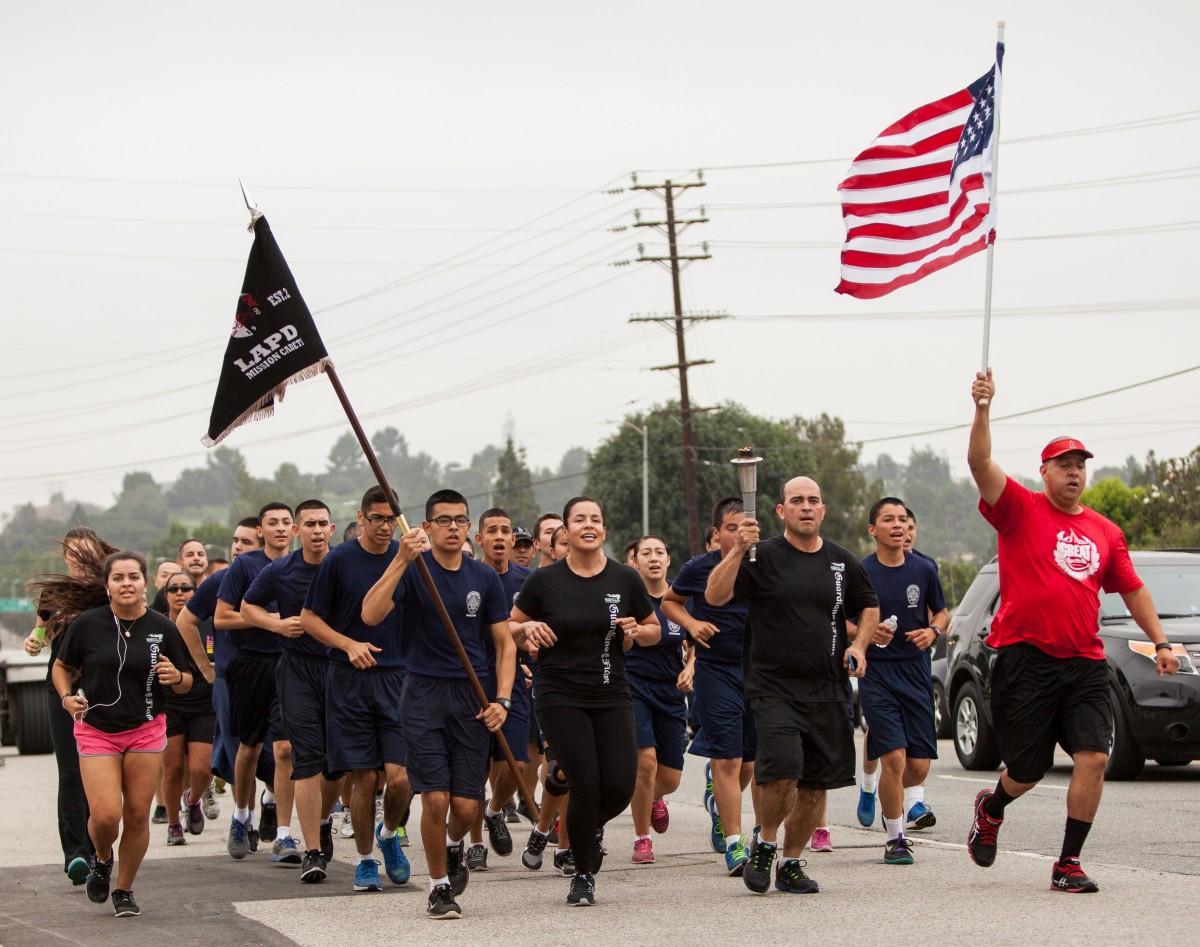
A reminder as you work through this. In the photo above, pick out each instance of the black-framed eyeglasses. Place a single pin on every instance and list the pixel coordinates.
(378, 519)
(444, 521)
(181, 588)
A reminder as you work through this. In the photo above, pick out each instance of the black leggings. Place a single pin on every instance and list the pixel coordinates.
(597, 750)
(72, 803)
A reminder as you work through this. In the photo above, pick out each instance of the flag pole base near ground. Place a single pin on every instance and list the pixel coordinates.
(427, 578)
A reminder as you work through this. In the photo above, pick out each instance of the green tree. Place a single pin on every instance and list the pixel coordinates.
(214, 535)
(554, 487)
(1124, 505)
(1173, 509)
(347, 473)
(513, 487)
(139, 516)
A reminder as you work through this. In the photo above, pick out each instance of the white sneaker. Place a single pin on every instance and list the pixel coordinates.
(347, 829)
(212, 809)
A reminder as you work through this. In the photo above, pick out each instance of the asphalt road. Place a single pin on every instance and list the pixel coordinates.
(1144, 850)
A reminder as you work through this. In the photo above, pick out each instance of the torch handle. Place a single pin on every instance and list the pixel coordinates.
(749, 502)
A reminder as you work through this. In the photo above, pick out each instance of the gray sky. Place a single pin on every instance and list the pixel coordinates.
(445, 163)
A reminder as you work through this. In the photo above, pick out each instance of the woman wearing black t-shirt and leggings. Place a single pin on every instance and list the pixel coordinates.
(582, 613)
(123, 658)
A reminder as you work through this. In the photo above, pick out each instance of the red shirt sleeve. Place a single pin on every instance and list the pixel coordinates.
(1010, 509)
(1120, 576)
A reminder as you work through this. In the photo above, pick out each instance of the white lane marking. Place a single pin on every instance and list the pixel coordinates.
(992, 782)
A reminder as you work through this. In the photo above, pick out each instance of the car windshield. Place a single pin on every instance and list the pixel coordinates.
(1175, 590)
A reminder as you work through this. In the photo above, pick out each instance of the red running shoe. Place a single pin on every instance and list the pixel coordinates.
(643, 852)
(1068, 876)
(660, 818)
(981, 840)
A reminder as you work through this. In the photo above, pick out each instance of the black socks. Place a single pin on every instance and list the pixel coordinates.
(1073, 838)
(994, 806)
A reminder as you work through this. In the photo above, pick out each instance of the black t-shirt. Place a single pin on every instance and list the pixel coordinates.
(586, 665)
(199, 698)
(160, 599)
(117, 672)
(799, 602)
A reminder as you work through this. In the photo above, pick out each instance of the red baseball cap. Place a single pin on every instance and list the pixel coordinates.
(1064, 445)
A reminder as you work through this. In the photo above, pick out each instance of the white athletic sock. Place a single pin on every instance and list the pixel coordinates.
(913, 795)
(385, 833)
(870, 781)
(268, 798)
(434, 882)
(730, 841)
(284, 831)
(895, 827)
(490, 813)
(365, 858)
(540, 832)
(821, 828)
(242, 815)
(451, 842)
(638, 838)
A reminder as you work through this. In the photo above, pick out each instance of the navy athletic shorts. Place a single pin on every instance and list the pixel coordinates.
(897, 702)
(253, 703)
(448, 749)
(363, 723)
(516, 724)
(659, 719)
(300, 684)
(723, 712)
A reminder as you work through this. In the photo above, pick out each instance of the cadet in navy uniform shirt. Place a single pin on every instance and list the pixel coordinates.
(447, 735)
(494, 541)
(251, 676)
(657, 684)
(897, 691)
(299, 712)
(726, 735)
(363, 730)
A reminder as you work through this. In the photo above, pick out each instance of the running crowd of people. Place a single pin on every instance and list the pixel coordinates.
(326, 673)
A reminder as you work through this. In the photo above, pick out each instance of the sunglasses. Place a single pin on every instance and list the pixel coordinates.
(181, 588)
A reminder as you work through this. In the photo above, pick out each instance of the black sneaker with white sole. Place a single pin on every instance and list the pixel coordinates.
(456, 868)
(124, 905)
(498, 835)
(442, 906)
(583, 891)
(477, 858)
(531, 858)
(98, 880)
(564, 862)
(312, 867)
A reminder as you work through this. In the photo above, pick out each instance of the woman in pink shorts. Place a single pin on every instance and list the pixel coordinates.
(122, 657)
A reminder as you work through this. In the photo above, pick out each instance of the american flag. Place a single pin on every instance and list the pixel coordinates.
(920, 197)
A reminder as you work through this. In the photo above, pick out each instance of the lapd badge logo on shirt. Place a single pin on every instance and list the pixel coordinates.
(473, 601)
(1076, 555)
(673, 630)
(913, 594)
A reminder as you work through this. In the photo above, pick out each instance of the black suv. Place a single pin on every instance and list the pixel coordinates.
(1153, 717)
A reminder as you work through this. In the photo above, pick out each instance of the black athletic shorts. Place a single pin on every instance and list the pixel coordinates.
(807, 741)
(300, 684)
(1038, 701)
(448, 750)
(252, 697)
(197, 724)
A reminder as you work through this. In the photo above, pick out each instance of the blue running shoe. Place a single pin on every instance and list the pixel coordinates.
(920, 816)
(366, 876)
(736, 857)
(716, 837)
(866, 808)
(238, 844)
(709, 803)
(394, 861)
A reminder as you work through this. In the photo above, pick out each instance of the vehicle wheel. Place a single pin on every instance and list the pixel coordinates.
(31, 718)
(1125, 758)
(941, 713)
(974, 740)
(1173, 762)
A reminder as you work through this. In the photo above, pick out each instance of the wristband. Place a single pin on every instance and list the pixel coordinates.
(1163, 645)
(504, 702)
(62, 701)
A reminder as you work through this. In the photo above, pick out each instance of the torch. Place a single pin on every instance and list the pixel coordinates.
(747, 471)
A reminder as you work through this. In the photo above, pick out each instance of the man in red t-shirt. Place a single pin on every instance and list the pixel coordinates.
(1049, 681)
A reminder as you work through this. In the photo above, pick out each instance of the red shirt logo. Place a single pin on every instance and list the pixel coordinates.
(1076, 555)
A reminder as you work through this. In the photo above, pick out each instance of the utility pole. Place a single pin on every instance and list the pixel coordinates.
(671, 228)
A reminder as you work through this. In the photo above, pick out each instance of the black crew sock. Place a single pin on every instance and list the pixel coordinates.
(994, 806)
(1073, 838)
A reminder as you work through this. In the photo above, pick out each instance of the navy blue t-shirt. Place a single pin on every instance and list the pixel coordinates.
(336, 594)
(909, 591)
(662, 661)
(726, 647)
(511, 581)
(203, 604)
(284, 584)
(475, 599)
(234, 582)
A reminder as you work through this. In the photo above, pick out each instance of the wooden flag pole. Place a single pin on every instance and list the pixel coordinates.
(427, 578)
(991, 250)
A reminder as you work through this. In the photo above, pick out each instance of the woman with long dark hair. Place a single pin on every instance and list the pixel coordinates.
(112, 673)
(61, 597)
(582, 613)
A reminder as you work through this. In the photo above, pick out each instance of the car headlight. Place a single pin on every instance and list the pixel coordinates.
(1146, 650)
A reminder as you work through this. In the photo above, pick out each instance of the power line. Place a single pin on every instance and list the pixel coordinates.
(1029, 411)
(1046, 309)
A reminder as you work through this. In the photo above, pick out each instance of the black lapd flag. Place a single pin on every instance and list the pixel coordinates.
(273, 343)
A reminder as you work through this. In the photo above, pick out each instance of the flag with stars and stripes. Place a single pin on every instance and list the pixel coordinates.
(920, 197)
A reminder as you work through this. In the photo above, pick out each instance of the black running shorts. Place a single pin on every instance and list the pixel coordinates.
(807, 741)
(1039, 700)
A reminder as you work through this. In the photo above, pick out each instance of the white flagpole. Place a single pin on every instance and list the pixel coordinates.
(991, 250)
